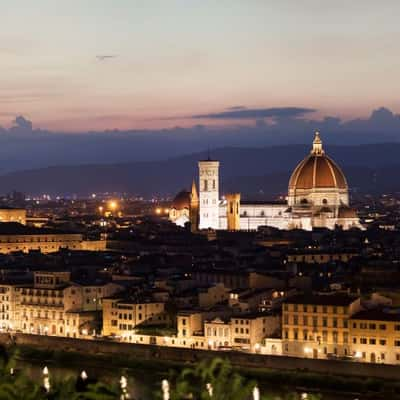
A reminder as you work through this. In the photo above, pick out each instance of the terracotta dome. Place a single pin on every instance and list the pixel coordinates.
(181, 200)
(317, 171)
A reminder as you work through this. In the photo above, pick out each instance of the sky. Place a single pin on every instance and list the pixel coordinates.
(180, 63)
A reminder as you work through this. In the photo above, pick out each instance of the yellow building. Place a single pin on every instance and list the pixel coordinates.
(122, 317)
(317, 326)
(375, 336)
(7, 306)
(16, 237)
(8, 214)
(320, 257)
(54, 305)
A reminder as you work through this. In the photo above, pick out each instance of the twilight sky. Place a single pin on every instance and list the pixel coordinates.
(179, 59)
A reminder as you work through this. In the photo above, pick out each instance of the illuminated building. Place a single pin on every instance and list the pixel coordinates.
(375, 336)
(16, 237)
(122, 316)
(317, 198)
(317, 326)
(55, 305)
(8, 214)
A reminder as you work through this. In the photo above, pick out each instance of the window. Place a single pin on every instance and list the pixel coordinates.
(335, 337)
(305, 320)
(295, 320)
(295, 308)
(354, 340)
(397, 343)
(334, 322)
(382, 342)
(304, 308)
(382, 327)
(372, 341)
(363, 341)
(305, 334)
(372, 326)
(324, 322)
(397, 327)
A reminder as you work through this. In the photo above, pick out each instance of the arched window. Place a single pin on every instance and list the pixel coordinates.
(324, 201)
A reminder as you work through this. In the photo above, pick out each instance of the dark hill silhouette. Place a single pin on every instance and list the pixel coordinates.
(253, 171)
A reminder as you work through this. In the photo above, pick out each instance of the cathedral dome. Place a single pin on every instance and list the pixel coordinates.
(317, 170)
(181, 200)
(318, 180)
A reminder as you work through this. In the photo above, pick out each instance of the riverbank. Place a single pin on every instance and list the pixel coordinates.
(289, 380)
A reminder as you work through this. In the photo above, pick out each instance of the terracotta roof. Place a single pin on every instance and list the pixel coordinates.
(317, 171)
(376, 315)
(334, 299)
(181, 200)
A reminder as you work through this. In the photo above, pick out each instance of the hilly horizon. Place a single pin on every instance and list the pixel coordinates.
(261, 172)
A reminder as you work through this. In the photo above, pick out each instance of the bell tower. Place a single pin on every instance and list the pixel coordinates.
(194, 209)
(209, 194)
(233, 211)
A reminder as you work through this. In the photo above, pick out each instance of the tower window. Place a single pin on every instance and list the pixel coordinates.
(324, 201)
(213, 183)
(205, 184)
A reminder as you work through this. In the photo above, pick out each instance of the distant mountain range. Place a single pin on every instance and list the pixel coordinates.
(256, 172)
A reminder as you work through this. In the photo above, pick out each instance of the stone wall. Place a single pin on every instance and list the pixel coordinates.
(244, 360)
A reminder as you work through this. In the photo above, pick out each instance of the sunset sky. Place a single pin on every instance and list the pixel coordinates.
(178, 59)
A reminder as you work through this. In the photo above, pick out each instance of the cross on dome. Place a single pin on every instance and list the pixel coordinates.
(317, 145)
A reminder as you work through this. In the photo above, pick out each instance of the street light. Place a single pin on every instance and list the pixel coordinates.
(113, 205)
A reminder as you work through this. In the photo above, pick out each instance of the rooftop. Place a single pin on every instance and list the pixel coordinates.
(377, 315)
(334, 299)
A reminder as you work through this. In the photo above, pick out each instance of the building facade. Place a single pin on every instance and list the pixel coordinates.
(318, 197)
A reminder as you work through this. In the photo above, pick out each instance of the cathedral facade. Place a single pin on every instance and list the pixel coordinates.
(317, 198)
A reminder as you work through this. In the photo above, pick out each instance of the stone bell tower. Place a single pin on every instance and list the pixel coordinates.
(209, 194)
(233, 211)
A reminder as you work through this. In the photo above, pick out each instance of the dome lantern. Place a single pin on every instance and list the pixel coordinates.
(317, 145)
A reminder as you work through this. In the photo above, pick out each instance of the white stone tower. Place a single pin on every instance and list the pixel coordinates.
(209, 194)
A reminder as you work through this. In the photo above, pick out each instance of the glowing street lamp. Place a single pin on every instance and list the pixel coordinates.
(113, 205)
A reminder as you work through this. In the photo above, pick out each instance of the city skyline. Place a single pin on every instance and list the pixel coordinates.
(75, 67)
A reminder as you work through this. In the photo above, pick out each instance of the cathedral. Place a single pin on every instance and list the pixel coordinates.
(318, 197)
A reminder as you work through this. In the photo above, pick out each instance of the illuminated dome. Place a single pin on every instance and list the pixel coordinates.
(318, 180)
(181, 200)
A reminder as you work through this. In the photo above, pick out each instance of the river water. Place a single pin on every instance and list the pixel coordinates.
(142, 384)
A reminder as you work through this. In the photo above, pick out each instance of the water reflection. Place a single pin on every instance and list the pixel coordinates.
(142, 384)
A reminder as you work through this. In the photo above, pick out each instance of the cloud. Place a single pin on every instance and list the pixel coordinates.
(257, 113)
(235, 108)
(22, 124)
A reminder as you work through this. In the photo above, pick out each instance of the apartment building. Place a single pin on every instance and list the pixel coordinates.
(317, 325)
(54, 305)
(375, 336)
(123, 316)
